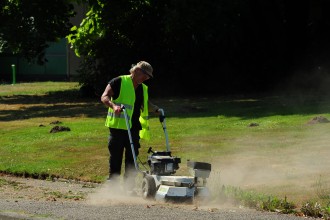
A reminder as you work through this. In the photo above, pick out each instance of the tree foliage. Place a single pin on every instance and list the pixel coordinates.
(90, 30)
(208, 46)
(28, 25)
(195, 46)
(109, 47)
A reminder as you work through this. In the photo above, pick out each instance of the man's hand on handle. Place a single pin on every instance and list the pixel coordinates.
(117, 109)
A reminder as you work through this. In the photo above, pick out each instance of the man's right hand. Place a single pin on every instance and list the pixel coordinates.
(116, 109)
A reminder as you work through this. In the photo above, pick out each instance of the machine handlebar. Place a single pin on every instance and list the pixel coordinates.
(162, 115)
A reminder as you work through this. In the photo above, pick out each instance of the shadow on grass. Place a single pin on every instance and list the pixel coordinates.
(70, 103)
(244, 107)
(55, 104)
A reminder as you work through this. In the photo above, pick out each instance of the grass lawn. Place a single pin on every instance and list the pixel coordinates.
(265, 144)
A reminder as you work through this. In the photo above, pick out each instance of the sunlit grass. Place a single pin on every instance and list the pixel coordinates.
(39, 88)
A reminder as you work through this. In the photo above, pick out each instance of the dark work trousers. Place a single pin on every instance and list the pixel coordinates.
(118, 143)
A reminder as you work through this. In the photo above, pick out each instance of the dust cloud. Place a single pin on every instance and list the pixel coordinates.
(113, 193)
(293, 165)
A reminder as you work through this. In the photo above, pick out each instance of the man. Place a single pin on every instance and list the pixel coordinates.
(130, 91)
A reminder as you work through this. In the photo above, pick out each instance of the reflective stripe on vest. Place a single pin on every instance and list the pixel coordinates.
(111, 114)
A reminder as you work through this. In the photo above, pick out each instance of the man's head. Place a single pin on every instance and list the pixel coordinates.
(144, 67)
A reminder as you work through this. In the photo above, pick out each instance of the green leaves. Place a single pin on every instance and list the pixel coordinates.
(83, 38)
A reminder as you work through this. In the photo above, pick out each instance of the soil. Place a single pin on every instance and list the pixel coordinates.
(17, 188)
(318, 119)
(26, 198)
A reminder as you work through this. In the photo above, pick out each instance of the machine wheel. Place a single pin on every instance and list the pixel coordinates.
(148, 187)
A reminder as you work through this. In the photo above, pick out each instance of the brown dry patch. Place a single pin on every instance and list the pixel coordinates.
(16, 188)
(318, 119)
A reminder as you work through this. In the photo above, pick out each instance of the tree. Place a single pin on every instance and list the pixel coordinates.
(219, 46)
(180, 38)
(28, 25)
(108, 39)
(239, 45)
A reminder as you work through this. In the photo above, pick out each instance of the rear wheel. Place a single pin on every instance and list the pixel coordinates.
(148, 187)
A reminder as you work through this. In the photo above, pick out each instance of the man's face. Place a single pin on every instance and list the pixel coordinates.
(141, 75)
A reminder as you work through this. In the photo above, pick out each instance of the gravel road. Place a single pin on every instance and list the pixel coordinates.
(22, 198)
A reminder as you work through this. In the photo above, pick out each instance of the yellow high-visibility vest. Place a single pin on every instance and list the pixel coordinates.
(127, 98)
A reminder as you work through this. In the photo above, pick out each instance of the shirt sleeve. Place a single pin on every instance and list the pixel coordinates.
(115, 84)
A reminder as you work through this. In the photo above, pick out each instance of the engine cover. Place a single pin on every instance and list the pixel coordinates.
(162, 163)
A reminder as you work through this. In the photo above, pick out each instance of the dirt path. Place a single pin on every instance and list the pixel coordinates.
(22, 198)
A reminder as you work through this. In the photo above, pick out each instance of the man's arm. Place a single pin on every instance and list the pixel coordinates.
(106, 99)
